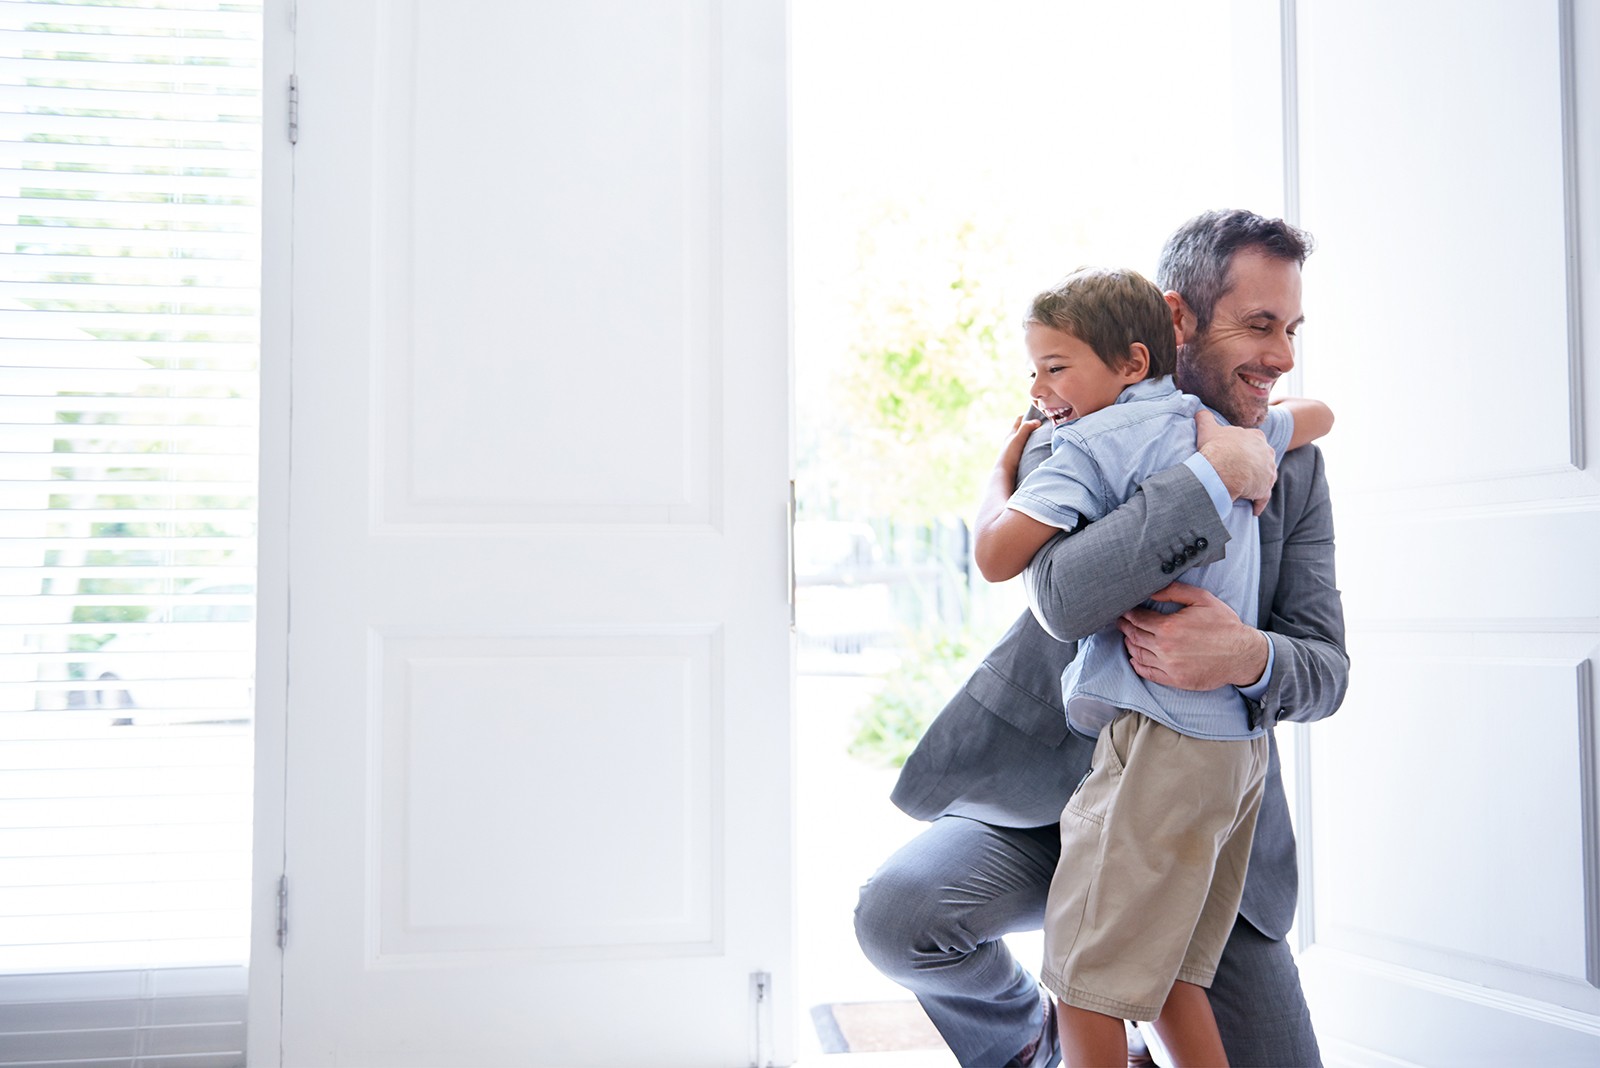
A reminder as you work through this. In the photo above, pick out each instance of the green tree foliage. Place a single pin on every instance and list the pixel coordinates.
(923, 378)
(889, 726)
(935, 376)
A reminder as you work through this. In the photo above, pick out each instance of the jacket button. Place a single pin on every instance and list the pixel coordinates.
(1166, 568)
(1201, 544)
(1191, 552)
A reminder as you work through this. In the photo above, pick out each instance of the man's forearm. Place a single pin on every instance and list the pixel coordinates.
(1079, 584)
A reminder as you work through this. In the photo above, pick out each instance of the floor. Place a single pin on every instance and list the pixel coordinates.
(906, 1059)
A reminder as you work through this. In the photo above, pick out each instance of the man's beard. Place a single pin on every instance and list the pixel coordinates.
(1217, 385)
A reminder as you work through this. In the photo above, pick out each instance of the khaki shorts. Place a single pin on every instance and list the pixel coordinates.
(1154, 845)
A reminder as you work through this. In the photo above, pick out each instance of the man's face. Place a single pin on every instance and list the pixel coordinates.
(1250, 341)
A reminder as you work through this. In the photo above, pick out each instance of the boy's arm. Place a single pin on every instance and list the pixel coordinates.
(1312, 419)
(1005, 539)
(1007, 542)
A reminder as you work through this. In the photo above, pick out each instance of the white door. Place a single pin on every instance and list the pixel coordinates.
(536, 736)
(1448, 170)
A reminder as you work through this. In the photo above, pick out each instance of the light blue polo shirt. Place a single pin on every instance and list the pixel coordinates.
(1096, 465)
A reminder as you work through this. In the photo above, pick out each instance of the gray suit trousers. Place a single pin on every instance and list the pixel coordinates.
(932, 919)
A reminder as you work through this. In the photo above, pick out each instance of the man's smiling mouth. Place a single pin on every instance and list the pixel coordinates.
(1257, 383)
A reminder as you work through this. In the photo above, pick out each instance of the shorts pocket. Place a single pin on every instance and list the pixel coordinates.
(1093, 795)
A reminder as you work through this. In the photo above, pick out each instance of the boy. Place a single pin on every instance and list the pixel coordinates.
(1155, 841)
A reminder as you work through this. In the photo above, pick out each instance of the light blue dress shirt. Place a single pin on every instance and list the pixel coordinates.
(1097, 464)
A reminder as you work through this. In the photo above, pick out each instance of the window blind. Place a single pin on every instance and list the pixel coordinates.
(129, 281)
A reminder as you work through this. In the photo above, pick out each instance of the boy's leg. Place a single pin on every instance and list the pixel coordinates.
(1188, 1029)
(931, 919)
(1138, 849)
(1091, 1039)
(1260, 1009)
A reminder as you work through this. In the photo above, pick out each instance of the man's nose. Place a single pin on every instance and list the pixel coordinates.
(1280, 356)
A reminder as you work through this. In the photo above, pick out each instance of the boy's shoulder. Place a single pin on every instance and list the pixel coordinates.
(1139, 405)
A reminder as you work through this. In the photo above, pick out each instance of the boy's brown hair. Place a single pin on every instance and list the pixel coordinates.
(1108, 309)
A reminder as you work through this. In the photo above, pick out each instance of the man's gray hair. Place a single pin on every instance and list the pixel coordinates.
(1195, 261)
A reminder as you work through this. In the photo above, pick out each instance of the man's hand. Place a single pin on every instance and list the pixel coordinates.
(1242, 458)
(1201, 646)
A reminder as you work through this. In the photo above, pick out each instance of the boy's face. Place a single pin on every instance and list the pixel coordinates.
(1069, 380)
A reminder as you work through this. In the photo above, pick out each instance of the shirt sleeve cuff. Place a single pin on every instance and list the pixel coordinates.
(1212, 482)
(1258, 689)
(1061, 518)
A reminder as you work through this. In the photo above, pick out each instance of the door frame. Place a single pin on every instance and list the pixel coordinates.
(264, 1020)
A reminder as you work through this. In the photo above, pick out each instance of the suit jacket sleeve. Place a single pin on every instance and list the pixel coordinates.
(1077, 585)
(1304, 618)
(1081, 583)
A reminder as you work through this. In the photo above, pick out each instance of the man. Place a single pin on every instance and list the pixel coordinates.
(996, 767)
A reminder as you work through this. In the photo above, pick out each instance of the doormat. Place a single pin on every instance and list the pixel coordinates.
(874, 1027)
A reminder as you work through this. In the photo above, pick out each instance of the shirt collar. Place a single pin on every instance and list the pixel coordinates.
(1148, 389)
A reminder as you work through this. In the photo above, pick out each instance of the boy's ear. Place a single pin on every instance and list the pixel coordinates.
(1182, 316)
(1137, 364)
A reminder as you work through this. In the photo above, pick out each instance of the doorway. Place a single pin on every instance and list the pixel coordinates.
(950, 162)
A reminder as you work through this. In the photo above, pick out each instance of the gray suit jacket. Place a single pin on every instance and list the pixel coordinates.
(1000, 751)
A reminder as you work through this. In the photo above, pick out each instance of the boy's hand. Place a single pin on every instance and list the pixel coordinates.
(1201, 646)
(1011, 454)
(1241, 456)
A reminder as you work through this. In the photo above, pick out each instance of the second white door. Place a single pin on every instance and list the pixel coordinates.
(537, 723)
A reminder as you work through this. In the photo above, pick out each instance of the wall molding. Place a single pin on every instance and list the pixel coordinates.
(1586, 498)
(1589, 780)
(1573, 237)
(1484, 625)
(1338, 1053)
(1289, 64)
(1472, 993)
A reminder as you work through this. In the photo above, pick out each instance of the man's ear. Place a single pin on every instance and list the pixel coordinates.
(1137, 363)
(1182, 317)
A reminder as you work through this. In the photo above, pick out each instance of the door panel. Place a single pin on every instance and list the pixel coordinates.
(1452, 909)
(544, 194)
(538, 658)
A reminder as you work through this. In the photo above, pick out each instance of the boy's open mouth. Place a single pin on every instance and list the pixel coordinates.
(1059, 415)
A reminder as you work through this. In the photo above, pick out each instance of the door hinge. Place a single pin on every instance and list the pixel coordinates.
(283, 911)
(761, 1010)
(294, 109)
